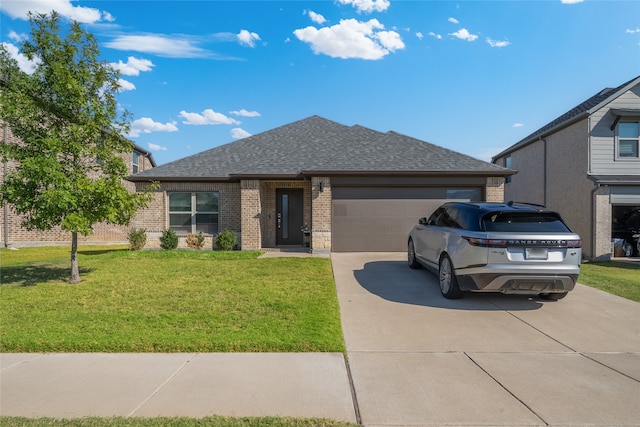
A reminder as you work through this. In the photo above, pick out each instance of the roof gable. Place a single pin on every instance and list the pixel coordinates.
(578, 112)
(316, 145)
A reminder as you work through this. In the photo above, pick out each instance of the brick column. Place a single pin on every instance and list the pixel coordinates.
(494, 189)
(320, 213)
(250, 212)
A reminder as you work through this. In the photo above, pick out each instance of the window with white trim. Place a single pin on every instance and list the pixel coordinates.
(193, 212)
(628, 140)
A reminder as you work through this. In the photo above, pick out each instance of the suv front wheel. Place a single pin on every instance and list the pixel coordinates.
(448, 281)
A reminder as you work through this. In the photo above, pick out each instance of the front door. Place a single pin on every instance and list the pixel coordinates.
(289, 216)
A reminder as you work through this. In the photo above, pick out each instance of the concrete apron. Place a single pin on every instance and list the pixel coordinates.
(419, 359)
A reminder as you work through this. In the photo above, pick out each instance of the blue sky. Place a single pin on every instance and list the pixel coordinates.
(471, 76)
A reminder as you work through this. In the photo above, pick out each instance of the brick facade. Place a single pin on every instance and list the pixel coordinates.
(494, 189)
(12, 233)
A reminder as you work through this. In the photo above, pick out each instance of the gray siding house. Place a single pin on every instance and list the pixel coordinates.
(585, 164)
(314, 184)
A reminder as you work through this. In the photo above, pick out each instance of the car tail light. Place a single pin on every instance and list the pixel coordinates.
(574, 243)
(487, 243)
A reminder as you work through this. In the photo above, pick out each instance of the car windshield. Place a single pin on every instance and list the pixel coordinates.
(536, 222)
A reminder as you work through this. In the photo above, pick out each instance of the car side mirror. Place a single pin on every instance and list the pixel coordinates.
(422, 221)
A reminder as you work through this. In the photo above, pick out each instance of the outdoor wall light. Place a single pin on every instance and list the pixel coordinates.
(321, 186)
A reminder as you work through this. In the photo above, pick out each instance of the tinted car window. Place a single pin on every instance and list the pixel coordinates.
(524, 222)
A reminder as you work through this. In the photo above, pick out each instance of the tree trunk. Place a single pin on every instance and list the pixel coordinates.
(75, 271)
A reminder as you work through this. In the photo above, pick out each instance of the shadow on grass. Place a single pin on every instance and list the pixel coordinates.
(31, 275)
(90, 252)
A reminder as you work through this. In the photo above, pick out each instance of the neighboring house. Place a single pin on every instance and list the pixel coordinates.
(351, 188)
(585, 164)
(12, 233)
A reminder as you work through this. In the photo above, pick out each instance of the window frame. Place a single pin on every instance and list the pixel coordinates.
(135, 162)
(620, 139)
(194, 213)
(508, 163)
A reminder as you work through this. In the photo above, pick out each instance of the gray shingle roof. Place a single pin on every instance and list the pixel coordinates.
(316, 145)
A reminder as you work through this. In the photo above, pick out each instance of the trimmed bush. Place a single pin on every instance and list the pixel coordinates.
(168, 240)
(137, 239)
(226, 240)
(195, 241)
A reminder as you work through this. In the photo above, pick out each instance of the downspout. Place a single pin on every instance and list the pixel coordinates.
(5, 209)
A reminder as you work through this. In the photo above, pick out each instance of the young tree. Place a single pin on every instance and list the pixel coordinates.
(68, 166)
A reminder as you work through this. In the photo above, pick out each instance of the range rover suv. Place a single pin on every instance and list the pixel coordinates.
(497, 247)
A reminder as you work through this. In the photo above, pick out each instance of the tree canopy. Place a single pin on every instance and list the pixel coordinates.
(69, 165)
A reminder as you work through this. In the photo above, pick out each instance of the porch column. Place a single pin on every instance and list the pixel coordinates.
(320, 213)
(250, 211)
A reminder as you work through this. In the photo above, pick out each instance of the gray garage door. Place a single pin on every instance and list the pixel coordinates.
(379, 219)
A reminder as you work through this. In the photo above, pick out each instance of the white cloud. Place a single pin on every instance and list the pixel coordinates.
(629, 31)
(247, 38)
(86, 15)
(172, 46)
(571, 1)
(437, 36)
(126, 85)
(453, 20)
(316, 17)
(368, 6)
(147, 125)
(517, 125)
(208, 117)
(239, 133)
(352, 39)
(245, 113)
(25, 65)
(155, 147)
(419, 35)
(464, 34)
(133, 66)
(20, 37)
(496, 43)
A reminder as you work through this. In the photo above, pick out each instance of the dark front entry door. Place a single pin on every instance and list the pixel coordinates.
(289, 216)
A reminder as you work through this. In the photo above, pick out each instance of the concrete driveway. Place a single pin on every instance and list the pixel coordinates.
(419, 359)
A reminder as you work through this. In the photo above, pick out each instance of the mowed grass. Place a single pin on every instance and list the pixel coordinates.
(166, 301)
(614, 277)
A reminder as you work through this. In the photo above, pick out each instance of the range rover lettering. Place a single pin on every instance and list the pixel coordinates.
(496, 247)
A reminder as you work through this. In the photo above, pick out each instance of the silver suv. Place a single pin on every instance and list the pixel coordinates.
(496, 247)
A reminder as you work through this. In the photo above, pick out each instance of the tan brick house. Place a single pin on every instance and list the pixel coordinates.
(314, 184)
(585, 164)
(13, 234)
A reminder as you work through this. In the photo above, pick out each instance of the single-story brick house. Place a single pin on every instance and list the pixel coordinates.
(349, 187)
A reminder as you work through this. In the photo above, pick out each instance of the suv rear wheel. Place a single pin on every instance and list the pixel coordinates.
(448, 281)
(554, 296)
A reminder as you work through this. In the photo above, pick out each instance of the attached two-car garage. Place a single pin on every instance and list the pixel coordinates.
(376, 215)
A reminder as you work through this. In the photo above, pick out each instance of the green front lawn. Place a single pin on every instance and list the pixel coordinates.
(614, 277)
(166, 301)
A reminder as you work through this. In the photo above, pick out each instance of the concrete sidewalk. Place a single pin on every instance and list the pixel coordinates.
(309, 385)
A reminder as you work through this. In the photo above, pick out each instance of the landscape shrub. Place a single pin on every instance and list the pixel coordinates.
(168, 240)
(137, 239)
(226, 240)
(195, 241)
